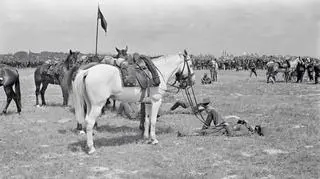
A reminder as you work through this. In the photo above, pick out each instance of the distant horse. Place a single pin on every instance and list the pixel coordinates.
(54, 74)
(9, 76)
(213, 67)
(273, 68)
(92, 87)
(292, 71)
(300, 70)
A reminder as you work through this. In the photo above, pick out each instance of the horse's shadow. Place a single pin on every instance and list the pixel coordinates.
(53, 104)
(115, 141)
(105, 142)
(116, 129)
(126, 129)
(8, 113)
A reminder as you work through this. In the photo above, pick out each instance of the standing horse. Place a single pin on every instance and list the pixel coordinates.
(92, 87)
(213, 67)
(292, 67)
(273, 68)
(54, 74)
(9, 76)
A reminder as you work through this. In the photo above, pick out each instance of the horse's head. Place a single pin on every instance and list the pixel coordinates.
(122, 53)
(185, 74)
(71, 59)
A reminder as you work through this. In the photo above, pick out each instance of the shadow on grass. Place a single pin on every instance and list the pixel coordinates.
(116, 129)
(53, 104)
(8, 113)
(105, 142)
(126, 129)
(116, 141)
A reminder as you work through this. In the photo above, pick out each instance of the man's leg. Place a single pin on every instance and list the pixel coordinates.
(254, 71)
(213, 116)
(121, 108)
(177, 104)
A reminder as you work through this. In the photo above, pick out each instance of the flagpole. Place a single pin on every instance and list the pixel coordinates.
(97, 32)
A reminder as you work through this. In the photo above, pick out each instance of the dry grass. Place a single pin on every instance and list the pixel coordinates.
(41, 143)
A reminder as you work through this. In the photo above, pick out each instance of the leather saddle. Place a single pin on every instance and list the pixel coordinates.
(141, 73)
(50, 71)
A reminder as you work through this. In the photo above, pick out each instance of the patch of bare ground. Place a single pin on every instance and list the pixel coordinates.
(42, 143)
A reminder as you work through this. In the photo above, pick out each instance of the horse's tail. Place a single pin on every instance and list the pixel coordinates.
(80, 96)
(17, 90)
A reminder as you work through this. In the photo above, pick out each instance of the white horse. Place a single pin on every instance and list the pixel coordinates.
(93, 86)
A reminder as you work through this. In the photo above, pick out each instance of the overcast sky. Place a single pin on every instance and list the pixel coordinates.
(163, 26)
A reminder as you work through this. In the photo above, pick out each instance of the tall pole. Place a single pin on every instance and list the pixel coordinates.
(97, 32)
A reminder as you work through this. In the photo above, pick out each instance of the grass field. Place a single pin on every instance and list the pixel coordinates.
(41, 142)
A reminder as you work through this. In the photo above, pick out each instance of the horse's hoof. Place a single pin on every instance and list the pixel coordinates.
(153, 142)
(91, 150)
(4, 112)
(81, 132)
(38, 106)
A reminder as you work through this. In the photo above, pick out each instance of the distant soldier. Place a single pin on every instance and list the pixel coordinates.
(205, 79)
(252, 67)
(310, 68)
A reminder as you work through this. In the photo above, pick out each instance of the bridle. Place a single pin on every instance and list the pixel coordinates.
(185, 83)
(71, 59)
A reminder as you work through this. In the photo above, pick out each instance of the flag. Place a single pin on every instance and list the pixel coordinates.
(102, 20)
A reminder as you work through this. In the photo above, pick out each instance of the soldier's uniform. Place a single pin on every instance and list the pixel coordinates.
(205, 79)
(220, 126)
(252, 67)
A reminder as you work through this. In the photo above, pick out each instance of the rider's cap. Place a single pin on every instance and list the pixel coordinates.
(205, 101)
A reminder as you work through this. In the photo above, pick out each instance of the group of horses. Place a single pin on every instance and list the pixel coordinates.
(293, 69)
(92, 84)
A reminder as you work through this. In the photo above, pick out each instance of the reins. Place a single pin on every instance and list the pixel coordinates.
(194, 105)
(191, 97)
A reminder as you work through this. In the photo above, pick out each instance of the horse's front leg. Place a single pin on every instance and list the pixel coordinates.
(42, 92)
(153, 119)
(65, 94)
(9, 93)
(37, 92)
(147, 121)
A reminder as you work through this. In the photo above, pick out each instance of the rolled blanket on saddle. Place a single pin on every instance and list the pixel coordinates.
(145, 62)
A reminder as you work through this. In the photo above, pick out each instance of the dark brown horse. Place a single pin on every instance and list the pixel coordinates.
(9, 76)
(54, 74)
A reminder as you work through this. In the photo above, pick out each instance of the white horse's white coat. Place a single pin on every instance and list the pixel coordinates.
(92, 87)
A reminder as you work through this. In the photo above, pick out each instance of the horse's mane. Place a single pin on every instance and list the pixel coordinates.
(154, 57)
(158, 58)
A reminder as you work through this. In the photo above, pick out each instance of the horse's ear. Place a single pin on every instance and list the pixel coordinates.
(70, 51)
(185, 52)
(117, 50)
(126, 48)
